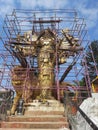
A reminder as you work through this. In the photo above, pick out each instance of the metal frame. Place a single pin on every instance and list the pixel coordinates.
(21, 21)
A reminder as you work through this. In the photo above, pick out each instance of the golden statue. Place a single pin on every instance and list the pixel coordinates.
(32, 82)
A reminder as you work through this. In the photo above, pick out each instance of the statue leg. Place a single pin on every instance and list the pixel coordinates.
(27, 95)
(45, 95)
(15, 103)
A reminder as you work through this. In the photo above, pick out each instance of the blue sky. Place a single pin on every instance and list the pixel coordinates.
(87, 9)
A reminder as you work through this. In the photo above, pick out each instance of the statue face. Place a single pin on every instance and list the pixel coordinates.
(46, 41)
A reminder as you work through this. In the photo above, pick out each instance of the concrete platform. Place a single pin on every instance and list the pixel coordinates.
(35, 125)
(38, 116)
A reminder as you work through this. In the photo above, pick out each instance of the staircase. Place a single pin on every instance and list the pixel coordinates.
(38, 116)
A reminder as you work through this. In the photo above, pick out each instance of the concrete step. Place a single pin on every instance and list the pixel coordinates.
(50, 105)
(38, 116)
(32, 113)
(34, 125)
(41, 118)
(42, 108)
(29, 129)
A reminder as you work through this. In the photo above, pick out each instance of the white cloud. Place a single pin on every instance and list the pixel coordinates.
(6, 7)
(91, 16)
(87, 8)
(89, 13)
(48, 4)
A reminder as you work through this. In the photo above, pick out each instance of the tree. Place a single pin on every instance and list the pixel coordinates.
(92, 59)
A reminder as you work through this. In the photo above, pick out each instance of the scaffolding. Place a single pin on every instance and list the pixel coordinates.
(22, 21)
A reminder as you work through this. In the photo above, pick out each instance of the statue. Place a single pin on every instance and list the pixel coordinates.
(48, 49)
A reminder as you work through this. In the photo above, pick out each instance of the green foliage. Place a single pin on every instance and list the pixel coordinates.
(82, 82)
(93, 48)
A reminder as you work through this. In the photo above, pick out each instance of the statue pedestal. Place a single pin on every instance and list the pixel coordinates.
(50, 105)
